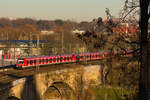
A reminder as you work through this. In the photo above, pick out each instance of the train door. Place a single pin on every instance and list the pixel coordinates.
(50, 60)
(57, 59)
(40, 61)
(47, 60)
(70, 58)
(34, 62)
(43, 60)
(67, 58)
(54, 59)
(61, 59)
(64, 58)
(92, 56)
(87, 56)
(105, 54)
(97, 56)
(25, 62)
(74, 57)
(28, 62)
(80, 57)
(100, 56)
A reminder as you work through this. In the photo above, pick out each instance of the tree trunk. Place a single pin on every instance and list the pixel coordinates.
(144, 84)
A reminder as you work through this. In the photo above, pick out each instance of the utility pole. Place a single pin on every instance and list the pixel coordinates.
(70, 47)
(38, 52)
(30, 51)
(62, 43)
(14, 52)
(85, 47)
(77, 48)
(2, 53)
(7, 36)
(2, 59)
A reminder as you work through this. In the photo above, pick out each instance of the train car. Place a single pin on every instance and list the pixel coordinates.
(26, 62)
(87, 56)
(129, 53)
(67, 58)
(115, 53)
(45, 60)
(93, 56)
(20, 63)
(98, 55)
(81, 57)
(106, 54)
(122, 53)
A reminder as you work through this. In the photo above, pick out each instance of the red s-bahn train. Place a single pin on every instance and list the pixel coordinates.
(67, 58)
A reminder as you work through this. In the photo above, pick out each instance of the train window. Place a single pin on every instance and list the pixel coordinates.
(54, 59)
(81, 56)
(58, 59)
(46, 60)
(35, 61)
(50, 59)
(20, 62)
(64, 58)
(42, 60)
(61, 58)
(28, 62)
(70, 57)
(31, 61)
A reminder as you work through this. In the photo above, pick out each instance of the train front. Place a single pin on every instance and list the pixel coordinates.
(20, 63)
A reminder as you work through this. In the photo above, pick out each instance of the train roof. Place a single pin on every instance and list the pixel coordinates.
(54, 55)
(32, 57)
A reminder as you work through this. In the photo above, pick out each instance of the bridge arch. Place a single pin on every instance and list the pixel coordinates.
(12, 98)
(59, 91)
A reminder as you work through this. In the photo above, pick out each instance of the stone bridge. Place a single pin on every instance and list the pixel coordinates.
(63, 84)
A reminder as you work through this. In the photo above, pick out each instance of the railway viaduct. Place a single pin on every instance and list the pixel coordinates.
(61, 84)
(56, 82)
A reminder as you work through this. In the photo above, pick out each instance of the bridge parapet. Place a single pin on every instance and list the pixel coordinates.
(41, 85)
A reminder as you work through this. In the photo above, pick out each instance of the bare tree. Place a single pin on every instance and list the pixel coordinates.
(144, 81)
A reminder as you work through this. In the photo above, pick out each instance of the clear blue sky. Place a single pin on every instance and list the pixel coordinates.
(78, 10)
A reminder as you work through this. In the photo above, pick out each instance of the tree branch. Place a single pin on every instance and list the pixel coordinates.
(129, 42)
(133, 6)
(128, 13)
